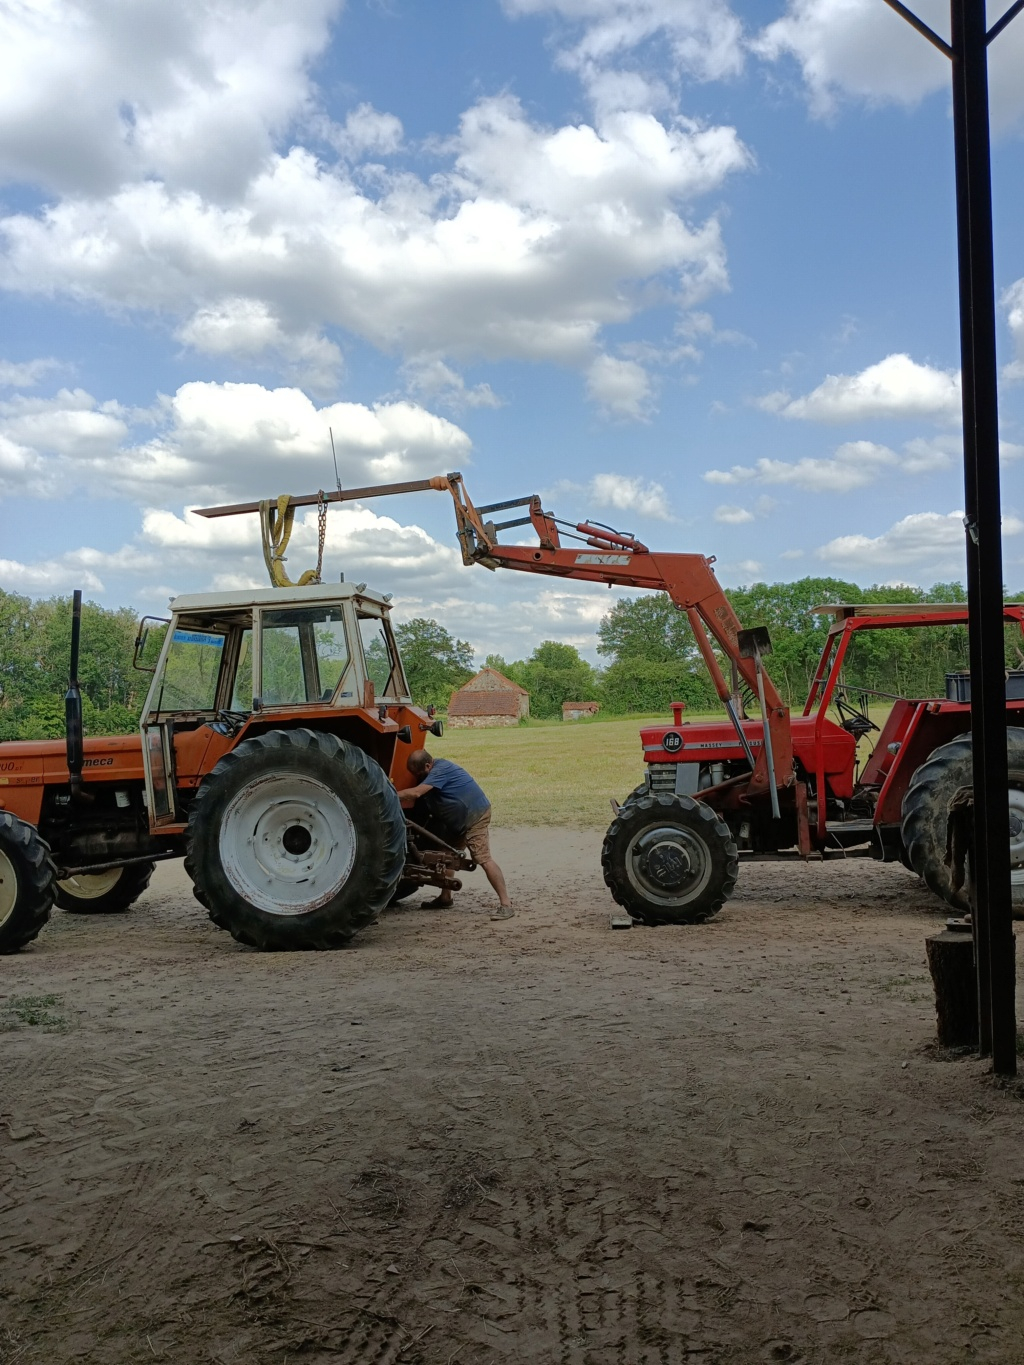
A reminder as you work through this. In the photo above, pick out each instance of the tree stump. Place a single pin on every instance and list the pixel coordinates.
(951, 963)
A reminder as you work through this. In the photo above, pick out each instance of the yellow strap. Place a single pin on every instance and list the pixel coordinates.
(277, 518)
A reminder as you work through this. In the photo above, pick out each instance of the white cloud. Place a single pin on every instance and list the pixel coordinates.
(854, 465)
(626, 494)
(365, 130)
(431, 378)
(621, 388)
(861, 48)
(699, 37)
(894, 387)
(731, 515)
(94, 94)
(739, 571)
(928, 544)
(217, 441)
(1013, 301)
(40, 438)
(246, 328)
(46, 577)
(526, 248)
(24, 374)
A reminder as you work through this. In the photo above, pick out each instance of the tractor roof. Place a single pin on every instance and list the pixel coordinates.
(265, 597)
(897, 608)
(887, 608)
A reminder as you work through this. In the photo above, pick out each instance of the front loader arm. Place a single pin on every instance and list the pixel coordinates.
(601, 555)
(606, 556)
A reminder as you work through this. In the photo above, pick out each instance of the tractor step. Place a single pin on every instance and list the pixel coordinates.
(847, 833)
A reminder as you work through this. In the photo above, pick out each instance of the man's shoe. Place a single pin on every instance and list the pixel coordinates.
(503, 912)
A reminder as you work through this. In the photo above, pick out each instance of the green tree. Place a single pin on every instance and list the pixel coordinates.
(798, 635)
(554, 673)
(435, 662)
(655, 657)
(650, 627)
(650, 687)
(35, 656)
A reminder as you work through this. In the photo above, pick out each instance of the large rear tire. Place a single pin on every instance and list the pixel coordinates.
(26, 883)
(926, 807)
(296, 840)
(104, 893)
(669, 860)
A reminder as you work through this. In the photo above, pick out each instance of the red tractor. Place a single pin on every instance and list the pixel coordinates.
(716, 793)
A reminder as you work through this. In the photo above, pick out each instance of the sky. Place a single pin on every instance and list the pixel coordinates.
(682, 266)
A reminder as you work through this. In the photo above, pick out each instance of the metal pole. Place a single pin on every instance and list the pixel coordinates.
(980, 917)
(992, 909)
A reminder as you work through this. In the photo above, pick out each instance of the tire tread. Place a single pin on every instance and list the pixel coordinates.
(632, 812)
(32, 850)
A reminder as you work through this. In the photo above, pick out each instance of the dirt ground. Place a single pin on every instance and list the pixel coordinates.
(535, 1141)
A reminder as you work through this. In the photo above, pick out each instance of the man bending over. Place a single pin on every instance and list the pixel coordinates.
(460, 813)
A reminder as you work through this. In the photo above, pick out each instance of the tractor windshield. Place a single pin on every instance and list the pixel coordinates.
(191, 671)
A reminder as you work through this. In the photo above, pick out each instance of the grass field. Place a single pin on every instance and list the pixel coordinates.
(553, 773)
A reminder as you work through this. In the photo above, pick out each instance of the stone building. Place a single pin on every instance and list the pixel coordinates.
(579, 710)
(489, 698)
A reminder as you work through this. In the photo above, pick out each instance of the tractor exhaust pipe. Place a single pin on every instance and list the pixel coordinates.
(74, 732)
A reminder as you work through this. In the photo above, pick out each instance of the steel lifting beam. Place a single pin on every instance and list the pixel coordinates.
(440, 483)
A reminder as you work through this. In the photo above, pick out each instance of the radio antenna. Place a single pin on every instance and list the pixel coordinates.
(337, 476)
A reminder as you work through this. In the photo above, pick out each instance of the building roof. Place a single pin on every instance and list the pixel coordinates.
(581, 706)
(496, 703)
(506, 682)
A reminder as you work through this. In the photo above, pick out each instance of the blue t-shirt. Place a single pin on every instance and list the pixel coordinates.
(463, 802)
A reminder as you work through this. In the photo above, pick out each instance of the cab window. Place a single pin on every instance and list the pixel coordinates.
(241, 692)
(382, 664)
(304, 654)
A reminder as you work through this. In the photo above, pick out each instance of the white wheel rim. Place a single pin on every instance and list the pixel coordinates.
(89, 886)
(8, 888)
(1017, 842)
(287, 844)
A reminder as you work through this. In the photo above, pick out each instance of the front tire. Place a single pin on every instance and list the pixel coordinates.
(104, 893)
(926, 808)
(296, 840)
(669, 860)
(26, 883)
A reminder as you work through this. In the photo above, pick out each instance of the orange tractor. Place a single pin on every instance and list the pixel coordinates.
(275, 726)
(277, 721)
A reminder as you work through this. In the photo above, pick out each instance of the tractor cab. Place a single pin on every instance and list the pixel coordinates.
(326, 645)
(232, 662)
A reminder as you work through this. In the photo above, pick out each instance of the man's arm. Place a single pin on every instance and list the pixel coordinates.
(414, 793)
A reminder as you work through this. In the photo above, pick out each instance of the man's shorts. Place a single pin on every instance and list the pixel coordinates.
(478, 838)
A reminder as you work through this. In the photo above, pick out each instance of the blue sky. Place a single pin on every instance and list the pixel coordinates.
(685, 267)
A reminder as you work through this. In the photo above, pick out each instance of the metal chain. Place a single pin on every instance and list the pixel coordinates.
(321, 516)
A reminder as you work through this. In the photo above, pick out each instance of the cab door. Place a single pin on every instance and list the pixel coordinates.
(184, 693)
(158, 762)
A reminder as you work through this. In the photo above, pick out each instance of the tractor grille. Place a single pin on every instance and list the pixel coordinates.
(662, 777)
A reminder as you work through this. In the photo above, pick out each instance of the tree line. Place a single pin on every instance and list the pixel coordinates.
(649, 656)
